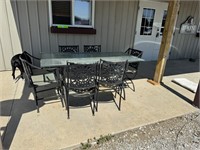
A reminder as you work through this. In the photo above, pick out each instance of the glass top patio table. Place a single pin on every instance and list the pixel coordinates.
(61, 59)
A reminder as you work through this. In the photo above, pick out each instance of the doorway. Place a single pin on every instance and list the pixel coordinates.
(149, 29)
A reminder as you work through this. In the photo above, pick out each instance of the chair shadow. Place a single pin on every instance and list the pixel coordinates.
(79, 102)
(177, 93)
(107, 97)
(173, 67)
(15, 108)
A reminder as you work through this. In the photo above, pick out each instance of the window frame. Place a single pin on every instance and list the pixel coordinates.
(72, 15)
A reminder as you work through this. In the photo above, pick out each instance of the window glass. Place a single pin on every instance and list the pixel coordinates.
(82, 12)
(163, 22)
(61, 12)
(147, 21)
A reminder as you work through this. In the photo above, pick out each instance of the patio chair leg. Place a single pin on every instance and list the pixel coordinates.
(68, 105)
(120, 98)
(115, 93)
(60, 95)
(37, 106)
(132, 88)
(96, 100)
(92, 107)
(44, 79)
(124, 94)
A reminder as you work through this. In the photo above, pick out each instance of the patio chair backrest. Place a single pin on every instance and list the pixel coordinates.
(81, 77)
(27, 70)
(69, 48)
(92, 48)
(136, 53)
(111, 73)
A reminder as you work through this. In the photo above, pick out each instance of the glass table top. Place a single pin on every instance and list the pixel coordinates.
(61, 59)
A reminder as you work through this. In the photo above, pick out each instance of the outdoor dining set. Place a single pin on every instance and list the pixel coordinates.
(82, 74)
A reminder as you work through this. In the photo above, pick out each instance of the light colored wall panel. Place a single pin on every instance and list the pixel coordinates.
(2, 62)
(44, 25)
(111, 24)
(15, 13)
(115, 23)
(118, 18)
(24, 26)
(98, 21)
(113, 20)
(186, 46)
(132, 13)
(33, 25)
(123, 26)
(9, 38)
(104, 30)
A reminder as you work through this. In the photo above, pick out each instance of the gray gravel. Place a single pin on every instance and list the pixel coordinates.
(180, 133)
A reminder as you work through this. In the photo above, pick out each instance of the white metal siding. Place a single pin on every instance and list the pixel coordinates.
(186, 46)
(9, 39)
(114, 24)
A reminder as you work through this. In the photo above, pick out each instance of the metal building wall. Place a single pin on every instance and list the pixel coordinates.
(114, 23)
(9, 39)
(185, 45)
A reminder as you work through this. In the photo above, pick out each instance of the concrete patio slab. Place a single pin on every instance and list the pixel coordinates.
(23, 128)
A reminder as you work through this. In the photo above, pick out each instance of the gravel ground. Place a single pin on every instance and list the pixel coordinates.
(180, 133)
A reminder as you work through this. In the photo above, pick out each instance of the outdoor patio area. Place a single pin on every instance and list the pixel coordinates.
(23, 128)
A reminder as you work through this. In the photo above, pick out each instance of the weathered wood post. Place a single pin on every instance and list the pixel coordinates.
(172, 13)
(196, 101)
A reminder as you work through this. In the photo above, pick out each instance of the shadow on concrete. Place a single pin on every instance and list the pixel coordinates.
(177, 93)
(173, 67)
(15, 108)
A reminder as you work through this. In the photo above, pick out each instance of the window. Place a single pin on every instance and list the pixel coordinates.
(147, 21)
(72, 13)
(163, 22)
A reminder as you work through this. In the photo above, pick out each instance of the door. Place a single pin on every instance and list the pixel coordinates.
(149, 28)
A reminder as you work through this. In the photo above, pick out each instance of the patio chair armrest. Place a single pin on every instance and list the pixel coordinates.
(50, 70)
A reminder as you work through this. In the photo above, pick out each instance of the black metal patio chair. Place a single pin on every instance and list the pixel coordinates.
(80, 81)
(52, 81)
(68, 48)
(111, 75)
(132, 68)
(34, 70)
(92, 48)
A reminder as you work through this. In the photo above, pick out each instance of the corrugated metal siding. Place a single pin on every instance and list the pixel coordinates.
(114, 23)
(186, 46)
(9, 39)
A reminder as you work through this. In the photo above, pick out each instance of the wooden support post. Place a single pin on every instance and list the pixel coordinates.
(1, 145)
(196, 101)
(172, 13)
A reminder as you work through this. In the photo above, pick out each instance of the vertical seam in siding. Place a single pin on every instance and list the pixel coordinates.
(9, 27)
(132, 34)
(103, 3)
(38, 27)
(107, 35)
(114, 26)
(48, 26)
(30, 34)
(126, 24)
(16, 17)
(19, 25)
(120, 26)
(4, 65)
